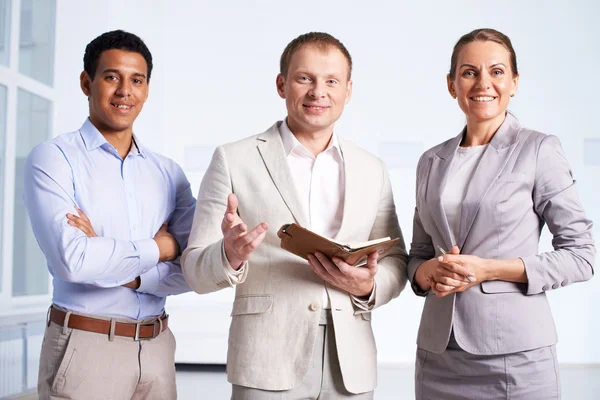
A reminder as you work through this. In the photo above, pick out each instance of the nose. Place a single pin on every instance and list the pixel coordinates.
(123, 89)
(483, 82)
(317, 91)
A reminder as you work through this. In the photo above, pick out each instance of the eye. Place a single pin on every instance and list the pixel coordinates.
(304, 79)
(331, 81)
(468, 73)
(110, 78)
(497, 72)
(137, 81)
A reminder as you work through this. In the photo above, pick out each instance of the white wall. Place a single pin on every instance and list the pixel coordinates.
(214, 82)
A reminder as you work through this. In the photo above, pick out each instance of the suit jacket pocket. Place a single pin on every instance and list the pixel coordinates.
(491, 287)
(252, 304)
(512, 177)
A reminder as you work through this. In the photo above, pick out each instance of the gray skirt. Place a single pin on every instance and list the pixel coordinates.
(456, 374)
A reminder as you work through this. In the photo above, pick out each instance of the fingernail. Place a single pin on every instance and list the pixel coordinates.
(440, 258)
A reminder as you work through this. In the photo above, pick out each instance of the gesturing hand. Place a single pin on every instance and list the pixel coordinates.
(358, 281)
(81, 222)
(238, 242)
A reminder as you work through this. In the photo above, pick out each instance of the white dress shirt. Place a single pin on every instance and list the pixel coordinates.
(320, 182)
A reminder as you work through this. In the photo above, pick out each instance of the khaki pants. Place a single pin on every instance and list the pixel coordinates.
(76, 364)
(323, 380)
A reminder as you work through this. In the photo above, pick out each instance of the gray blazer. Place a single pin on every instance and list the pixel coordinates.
(275, 315)
(522, 182)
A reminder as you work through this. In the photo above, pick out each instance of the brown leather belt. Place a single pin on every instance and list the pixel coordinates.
(134, 330)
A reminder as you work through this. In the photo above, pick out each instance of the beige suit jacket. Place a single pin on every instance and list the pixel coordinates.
(276, 309)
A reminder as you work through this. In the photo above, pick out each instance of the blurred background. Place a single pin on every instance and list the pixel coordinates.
(214, 82)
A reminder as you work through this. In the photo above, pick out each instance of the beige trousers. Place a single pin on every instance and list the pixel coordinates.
(76, 364)
(323, 380)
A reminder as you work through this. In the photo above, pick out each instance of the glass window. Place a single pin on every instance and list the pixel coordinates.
(30, 274)
(2, 157)
(36, 40)
(4, 31)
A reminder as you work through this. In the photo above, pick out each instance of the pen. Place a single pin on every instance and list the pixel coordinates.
(444, 252)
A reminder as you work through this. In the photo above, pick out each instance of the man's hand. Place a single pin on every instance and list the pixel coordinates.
(358, 281)
(443, 278)
(168, 248)
(81, 222)
(238, 242)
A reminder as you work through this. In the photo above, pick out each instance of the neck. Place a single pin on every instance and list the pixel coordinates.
(314, 141)
(121, 140)
(481, 132)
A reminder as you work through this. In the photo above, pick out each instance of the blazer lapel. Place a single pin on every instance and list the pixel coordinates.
(488, 170)
(354, 184)
(271, 150)
(438, 175)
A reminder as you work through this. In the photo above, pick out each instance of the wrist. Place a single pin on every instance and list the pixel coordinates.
(420, 277)
(366, 292)
(490, 270)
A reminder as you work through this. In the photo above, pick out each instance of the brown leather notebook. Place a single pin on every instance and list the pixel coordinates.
(302, 242)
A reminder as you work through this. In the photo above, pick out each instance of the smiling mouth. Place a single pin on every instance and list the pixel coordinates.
(483, 99)
(121, 106)
(315, 108)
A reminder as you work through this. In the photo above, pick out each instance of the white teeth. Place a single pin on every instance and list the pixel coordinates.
(123, 106)
(482, 98)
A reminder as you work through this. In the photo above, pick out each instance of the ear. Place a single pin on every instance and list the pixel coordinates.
(86, 83)
(280, 83)
(348, 91)
(451, 88)
(515, 84)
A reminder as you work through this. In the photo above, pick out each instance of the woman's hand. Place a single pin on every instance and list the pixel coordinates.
(480, 270)
(442, 277)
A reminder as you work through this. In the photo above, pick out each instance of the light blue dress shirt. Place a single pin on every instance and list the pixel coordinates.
(127, 201)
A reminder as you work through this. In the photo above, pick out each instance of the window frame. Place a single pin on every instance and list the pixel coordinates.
(13, 80)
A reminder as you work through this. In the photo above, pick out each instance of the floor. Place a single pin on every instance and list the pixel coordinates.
(210, 383)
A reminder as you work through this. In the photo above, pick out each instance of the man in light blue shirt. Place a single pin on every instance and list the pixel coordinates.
(111, 217)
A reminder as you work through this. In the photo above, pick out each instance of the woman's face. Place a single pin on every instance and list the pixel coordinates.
(483, 81)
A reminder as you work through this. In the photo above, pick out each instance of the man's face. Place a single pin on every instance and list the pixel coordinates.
(316, 89)
(118, 91)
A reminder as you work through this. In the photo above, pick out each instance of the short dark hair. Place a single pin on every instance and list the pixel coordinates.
(119, 40)
(322, 40)
(483, 35)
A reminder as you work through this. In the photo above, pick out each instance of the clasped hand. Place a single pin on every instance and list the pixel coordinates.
(448, 273)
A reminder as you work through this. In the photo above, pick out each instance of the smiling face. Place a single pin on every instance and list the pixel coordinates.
(117, 92)
(483, 81)
(316, 88)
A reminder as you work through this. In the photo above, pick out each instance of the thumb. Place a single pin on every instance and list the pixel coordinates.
(455, 250)
(232, 203)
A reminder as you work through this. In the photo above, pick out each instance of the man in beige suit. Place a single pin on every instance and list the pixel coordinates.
(298, 329)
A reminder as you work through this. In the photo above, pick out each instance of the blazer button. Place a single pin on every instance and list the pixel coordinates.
(555, 286)
(313, 307)
(564, 283)
(545, 287)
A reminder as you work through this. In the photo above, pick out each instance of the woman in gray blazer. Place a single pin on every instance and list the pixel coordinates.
(483, 197)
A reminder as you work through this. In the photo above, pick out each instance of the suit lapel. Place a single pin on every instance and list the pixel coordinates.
(488, 170)
(271, 150)
(438, 175)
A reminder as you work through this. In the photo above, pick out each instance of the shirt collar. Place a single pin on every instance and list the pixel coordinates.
(92, 138)
(290, 143)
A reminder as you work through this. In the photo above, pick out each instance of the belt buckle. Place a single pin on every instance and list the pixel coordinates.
(155, 331)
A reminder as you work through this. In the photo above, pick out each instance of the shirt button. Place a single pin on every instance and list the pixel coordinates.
(545, 287)
(313, 307)
(555, 286)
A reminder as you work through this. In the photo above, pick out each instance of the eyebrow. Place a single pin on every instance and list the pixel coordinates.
(118, 72)
(491, 66)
